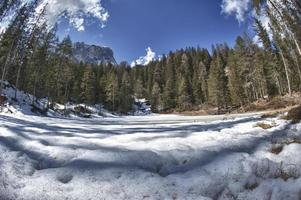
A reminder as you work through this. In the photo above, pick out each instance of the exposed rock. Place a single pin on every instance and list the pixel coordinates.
(92, 54)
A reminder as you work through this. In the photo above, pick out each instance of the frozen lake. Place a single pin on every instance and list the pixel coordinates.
(145, 157)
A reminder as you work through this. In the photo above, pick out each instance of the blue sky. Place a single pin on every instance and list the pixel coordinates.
(163, 25)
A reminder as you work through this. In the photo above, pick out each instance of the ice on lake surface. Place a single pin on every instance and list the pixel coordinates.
(148, 157)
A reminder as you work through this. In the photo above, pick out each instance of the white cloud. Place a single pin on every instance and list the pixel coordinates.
(78, 23)
(237, 7)
(75, 11)
(144, 60)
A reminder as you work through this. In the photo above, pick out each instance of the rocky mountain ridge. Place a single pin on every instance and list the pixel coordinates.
(92, 54)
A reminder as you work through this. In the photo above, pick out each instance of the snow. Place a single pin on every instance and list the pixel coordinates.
(148, 157)
(23, 105)
(141, 107)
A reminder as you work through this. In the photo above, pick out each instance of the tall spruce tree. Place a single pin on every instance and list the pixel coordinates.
(217, 83)
(88, 86)
(126, 96)
(169, 92)
(184, 95)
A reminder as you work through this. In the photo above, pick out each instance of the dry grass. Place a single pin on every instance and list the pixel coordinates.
(196, 111)
(290, 173)
(278, 147)
(268, 170)
(265, 125)
(271, 114)
(275, 103)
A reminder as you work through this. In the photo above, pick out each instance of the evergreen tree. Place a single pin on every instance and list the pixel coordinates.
(217, 83)
(64, 70)
(111, 91)
(268, 68)
(126, 99)
(235, 84)
(197, 87)
(9, 43)
(88, 86)
(184, 95)
(169, 92)
(139, 90)
(203, 80)
(156, 98)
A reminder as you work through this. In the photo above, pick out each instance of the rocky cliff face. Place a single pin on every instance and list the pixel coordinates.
(92, 54)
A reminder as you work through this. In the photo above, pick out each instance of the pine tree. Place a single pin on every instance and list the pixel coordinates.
(235, 84)
(185, 85)
(204, 78)
(139, 90)
(217, 83)
(268, 68)
(169, 92)
(156, 98)
(64, 73)
(10, 40)
(88, 86)
(197, 87)
(111, 91)
(126, 99)
(184, 95)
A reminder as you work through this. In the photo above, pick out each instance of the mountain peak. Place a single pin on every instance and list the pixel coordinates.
(92, 54)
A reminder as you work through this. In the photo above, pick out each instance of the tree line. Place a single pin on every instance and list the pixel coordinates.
(34, 60)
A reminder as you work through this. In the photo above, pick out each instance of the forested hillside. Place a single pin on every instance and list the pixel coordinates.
(34, 60)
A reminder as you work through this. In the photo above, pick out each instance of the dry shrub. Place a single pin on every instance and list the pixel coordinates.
(289, 173)
(270, 114)
(276, 170)
(276, 149)
(294, 114)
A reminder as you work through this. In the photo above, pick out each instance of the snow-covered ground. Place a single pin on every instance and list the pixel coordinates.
(21, 103)
(149, 157)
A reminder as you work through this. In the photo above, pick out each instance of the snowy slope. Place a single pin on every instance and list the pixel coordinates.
(149, 157)
(23, 105)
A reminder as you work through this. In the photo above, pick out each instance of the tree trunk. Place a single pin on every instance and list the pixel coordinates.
(298, 68)
(4, 69)
(297, 45)
(279, 85)
(17, 80)
(286, 73)
(34, 89)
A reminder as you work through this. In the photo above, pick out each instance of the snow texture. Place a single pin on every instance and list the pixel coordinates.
(148, 157)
